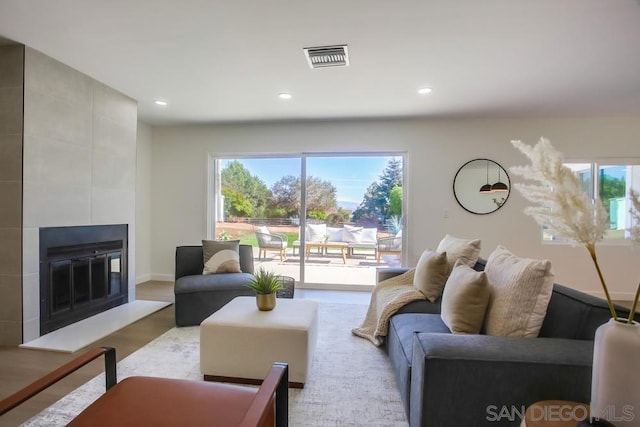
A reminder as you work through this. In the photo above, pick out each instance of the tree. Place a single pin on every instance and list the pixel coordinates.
(321, 195)
(235, 204)
(611, 188)
(236, 177)
(376, 202)
(395, 201)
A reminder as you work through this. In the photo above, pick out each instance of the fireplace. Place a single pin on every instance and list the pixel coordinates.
(83, 271)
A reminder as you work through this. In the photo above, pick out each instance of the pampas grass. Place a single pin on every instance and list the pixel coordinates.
(563, 208)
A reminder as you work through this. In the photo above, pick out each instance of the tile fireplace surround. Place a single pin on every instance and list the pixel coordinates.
(75, 133)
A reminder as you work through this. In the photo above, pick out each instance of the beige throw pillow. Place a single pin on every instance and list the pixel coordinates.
(464, 249)
(221, 257)
(431, 274)
(520, 292)
(464, 300)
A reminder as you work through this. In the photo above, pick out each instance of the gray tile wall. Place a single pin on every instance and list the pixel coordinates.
(11, 89)
(79, 163)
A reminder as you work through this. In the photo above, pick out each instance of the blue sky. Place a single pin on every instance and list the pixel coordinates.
(350, 175)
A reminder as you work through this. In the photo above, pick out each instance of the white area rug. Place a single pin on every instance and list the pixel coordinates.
(80, 334)
(351, 382)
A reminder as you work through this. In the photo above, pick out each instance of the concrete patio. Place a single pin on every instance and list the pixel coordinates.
(327, 270)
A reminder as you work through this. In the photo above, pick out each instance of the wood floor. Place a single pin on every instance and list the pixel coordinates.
(19, 367)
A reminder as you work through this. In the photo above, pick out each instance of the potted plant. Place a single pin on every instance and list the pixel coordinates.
(265, 284)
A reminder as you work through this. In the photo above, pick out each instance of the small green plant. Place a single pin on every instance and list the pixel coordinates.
(264, 282)
(223, 235)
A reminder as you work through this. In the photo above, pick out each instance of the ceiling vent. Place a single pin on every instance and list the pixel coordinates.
(327, 56)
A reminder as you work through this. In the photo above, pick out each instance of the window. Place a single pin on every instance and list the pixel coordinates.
(609, 182)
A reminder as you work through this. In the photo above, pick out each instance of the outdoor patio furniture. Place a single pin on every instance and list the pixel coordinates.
(391, 245)
(268, 241)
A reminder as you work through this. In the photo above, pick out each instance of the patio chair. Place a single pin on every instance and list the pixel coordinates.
(391, 245)
(268, 241)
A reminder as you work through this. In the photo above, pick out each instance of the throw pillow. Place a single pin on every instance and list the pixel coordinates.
(464, 300)
(351, 234)
(316, 232)
(431, 274)
(466, 250)
(520, 292)
(335, 234)
(221, 257)
(369, 235)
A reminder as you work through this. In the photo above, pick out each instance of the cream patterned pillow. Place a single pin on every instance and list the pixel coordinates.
(464, 300)
(520, 292)
(431, 274)
(466, 250)
(221, 257)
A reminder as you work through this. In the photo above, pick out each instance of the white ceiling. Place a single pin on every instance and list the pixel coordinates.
(221, 61)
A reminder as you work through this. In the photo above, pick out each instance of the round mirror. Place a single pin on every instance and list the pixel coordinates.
(481, 186)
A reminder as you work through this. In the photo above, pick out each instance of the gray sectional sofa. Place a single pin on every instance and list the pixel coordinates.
(479, 380)
(198, 295)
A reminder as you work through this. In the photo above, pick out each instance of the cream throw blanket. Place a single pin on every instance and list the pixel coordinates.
(387, 298)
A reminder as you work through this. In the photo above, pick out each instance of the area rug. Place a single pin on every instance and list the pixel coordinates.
(351, 382)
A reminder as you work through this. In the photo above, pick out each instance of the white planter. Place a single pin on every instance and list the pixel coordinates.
(615, 382)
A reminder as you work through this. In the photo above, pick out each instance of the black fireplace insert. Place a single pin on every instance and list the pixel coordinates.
(83, 271)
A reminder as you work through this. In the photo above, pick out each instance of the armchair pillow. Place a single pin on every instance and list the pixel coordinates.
(221, 257)
(467, 250)
(464, 300)
(431, 274)
(520, 292)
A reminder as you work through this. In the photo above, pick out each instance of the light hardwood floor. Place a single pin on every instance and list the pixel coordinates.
(19, 367)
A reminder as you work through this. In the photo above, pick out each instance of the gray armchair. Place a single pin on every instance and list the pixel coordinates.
(391, 245)
(268, 241)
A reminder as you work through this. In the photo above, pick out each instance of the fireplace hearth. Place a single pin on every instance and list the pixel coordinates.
(83, 271)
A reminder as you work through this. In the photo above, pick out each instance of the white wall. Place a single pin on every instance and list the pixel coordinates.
(436, 149)
(143, 203)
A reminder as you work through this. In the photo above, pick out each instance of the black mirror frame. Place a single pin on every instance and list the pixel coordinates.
(508, 181)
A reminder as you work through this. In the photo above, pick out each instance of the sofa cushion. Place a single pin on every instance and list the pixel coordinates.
(465, 299)
(406, 325)
(335, 234)
(351, 234)
(369, 235)
(431, 274)
(265, 235)
(468, 250)
(520, 292)
(221, 257)
(316, 232)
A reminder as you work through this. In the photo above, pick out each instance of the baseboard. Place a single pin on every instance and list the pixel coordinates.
(163, 277)
(143, 278)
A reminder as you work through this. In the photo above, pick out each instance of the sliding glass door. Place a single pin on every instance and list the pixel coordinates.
(352, 222)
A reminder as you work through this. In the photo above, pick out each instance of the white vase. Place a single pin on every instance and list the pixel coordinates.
(615, 381)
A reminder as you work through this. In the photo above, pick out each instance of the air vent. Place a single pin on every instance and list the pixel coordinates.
(327, 56)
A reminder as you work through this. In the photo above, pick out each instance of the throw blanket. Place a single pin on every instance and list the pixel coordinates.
(387, 298)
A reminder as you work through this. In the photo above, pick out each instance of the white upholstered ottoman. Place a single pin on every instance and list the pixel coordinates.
(239, 343)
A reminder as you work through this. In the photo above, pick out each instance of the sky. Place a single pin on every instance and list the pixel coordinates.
(350, 175)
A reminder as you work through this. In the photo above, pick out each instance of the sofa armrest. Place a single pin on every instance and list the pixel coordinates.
(485, 380)
(388, 273)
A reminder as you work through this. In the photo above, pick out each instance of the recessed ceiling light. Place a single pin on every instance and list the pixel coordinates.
(161, 102)
(424, 90)
(284, 96)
